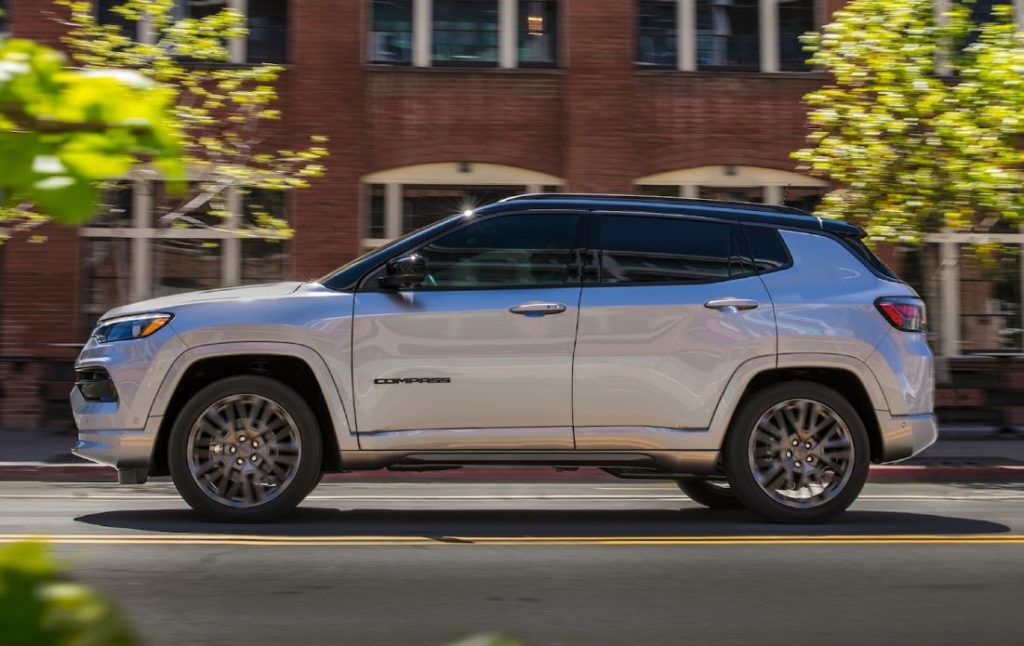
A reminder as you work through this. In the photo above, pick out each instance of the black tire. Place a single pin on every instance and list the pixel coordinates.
(713, 495)
(741, 474)
(308, 468)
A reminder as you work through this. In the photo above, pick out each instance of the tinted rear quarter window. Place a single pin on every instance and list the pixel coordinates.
(767, 249)
(651, 249)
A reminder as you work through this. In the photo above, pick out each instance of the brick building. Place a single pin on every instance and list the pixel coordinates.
(432, 106)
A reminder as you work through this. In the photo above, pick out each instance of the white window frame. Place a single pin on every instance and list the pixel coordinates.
(145, 230)
(508, 33)
(443, 174)
(768, 34)
(236, 46)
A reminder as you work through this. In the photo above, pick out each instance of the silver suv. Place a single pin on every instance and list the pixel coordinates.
(756, 355)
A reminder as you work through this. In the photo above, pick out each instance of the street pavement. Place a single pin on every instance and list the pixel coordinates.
(555, 563)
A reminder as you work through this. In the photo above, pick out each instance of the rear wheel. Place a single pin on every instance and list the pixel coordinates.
(245, 449)
(711, 494)
(797, 452)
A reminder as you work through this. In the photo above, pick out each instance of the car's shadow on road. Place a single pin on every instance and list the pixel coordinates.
(440, 523)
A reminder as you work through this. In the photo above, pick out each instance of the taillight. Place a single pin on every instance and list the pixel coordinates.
(904, 313)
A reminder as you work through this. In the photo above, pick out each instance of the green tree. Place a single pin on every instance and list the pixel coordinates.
(39, 606)
(219, 106)
(921, 122)
(63, 130)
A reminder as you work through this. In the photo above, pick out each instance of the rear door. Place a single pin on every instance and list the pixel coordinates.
(674, 308)
(479, 356)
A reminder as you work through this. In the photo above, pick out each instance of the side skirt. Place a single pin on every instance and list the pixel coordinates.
(654, 463)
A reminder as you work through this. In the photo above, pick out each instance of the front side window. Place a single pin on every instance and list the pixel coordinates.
(727, 34)
(390, 40)
(656, 33)
(538, 33)
(527, 250)
(796, 18)
(652, 250)
(465, 32)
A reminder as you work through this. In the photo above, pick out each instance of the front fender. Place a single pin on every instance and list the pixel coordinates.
(347, 440)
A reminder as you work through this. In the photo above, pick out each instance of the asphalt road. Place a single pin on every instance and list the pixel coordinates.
(553, 563)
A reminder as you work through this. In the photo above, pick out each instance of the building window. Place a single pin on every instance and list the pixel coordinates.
(796, 18)
(465, 32)
(753, 194)
(658, 191)
(805, 198)
(401, 200)
(390, 40)
(735, 183)
(728, 34)
(426, 204)
(4, 24)
(748, 35)
(538, 33)
(128, 255)
(656, 38)
(267, 21)
(105, 15)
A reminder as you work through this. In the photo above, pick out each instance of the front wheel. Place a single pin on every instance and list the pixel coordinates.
(245, 449)
(797, 452)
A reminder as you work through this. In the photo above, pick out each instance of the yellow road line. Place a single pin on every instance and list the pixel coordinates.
(354, 541)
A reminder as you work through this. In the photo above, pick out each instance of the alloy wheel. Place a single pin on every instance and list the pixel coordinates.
(244, 450)
(801, 453)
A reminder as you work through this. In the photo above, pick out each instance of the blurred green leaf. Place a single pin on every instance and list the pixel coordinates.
(39, 607)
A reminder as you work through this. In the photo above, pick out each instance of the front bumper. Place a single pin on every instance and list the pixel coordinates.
(120, 448)
(905, 436)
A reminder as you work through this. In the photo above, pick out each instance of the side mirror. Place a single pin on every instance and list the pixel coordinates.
(404, 272)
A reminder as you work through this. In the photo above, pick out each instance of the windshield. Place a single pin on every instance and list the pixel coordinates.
(346, 276)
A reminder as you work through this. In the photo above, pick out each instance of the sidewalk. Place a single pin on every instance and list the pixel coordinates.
(962, 454)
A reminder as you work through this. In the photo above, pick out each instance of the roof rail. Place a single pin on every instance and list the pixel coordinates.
(750, 206)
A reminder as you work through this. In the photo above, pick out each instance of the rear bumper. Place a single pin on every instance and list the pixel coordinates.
(905, 436)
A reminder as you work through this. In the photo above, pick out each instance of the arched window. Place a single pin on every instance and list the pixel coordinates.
(404, 199)
(737, 183)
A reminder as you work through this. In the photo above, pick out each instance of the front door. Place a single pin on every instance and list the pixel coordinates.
(479, 355)
(676, 308)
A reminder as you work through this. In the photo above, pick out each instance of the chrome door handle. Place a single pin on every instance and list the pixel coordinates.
(731, 304)
(538, 309)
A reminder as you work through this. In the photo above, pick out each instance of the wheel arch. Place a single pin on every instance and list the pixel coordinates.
(296, 366)
(846, 375)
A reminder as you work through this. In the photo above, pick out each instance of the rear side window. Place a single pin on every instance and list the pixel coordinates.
(647, 250)
(767, 249)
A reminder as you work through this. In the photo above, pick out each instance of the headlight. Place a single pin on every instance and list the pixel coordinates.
(125, 328)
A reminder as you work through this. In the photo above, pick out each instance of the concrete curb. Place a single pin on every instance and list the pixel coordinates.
(884, 473)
